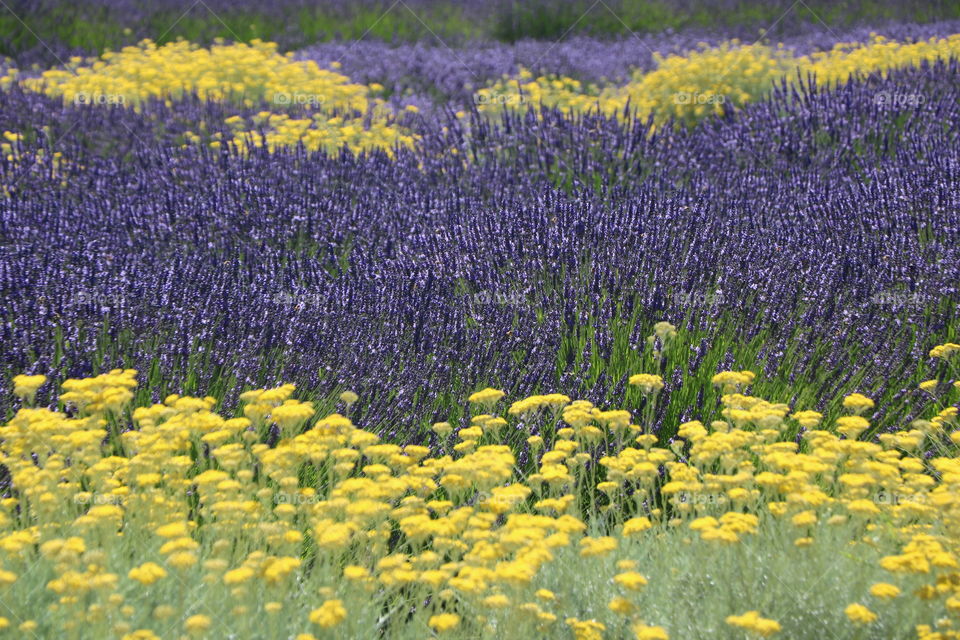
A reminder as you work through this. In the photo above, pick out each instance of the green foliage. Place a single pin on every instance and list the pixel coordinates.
(94, 29)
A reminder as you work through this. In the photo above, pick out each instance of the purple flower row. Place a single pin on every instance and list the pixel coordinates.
(826, 215)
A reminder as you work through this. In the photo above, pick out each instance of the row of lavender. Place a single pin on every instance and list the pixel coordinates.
(819, 215)
(429, 75)
(418, 73)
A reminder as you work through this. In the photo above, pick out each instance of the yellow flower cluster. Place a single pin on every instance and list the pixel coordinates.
(945, 351)
(9, 145)
(648, 383)
(10, 149)
(853, 59)
(710, 79)
(320, 132)
(246, 74)
(108, 392)
(460, 537)
(753, 622)
(344, 115)
(555, 92)
(26, 386)
(8, 75)
(537, 403)
(706, 81)
(731, 381)
(486, 396)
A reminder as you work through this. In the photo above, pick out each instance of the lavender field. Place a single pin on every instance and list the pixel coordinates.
(486, 319)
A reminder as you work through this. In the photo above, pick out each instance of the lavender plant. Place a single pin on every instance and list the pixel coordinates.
(538, 256)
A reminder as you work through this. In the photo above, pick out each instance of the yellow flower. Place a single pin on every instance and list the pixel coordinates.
(197, 624)
(442, 429)
(182, 560)
(29, 626)
(642, 631)
(330, 614)
(636, 526)
(852, 426)
(496, 601)
(292, 413)
(608, 487)
(173, 530)
(730, 381)
(354, 572)
(630, 580)
(807, 419)
(591, 547)
(486, 397)
(859, 614)
(621, 606)
(863, 507)
(147, 573)
(858, 403)
(444, 622)
(751, 621)
(884, 591)
(139, 634)
(648, 383)
(945, 351)
(237, 576)
(278, 569)
(586, 629)
(664, 330)
(26, 386)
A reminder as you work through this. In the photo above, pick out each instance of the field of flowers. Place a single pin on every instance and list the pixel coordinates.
(483, 319)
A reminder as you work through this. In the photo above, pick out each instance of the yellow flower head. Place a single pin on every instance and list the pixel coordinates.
(26, 386)
(884, 591)
(859, 614)
(648, 383)
(487, 397)
(857, 403)
(444, 622)
(330, 614)
(753, 622)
